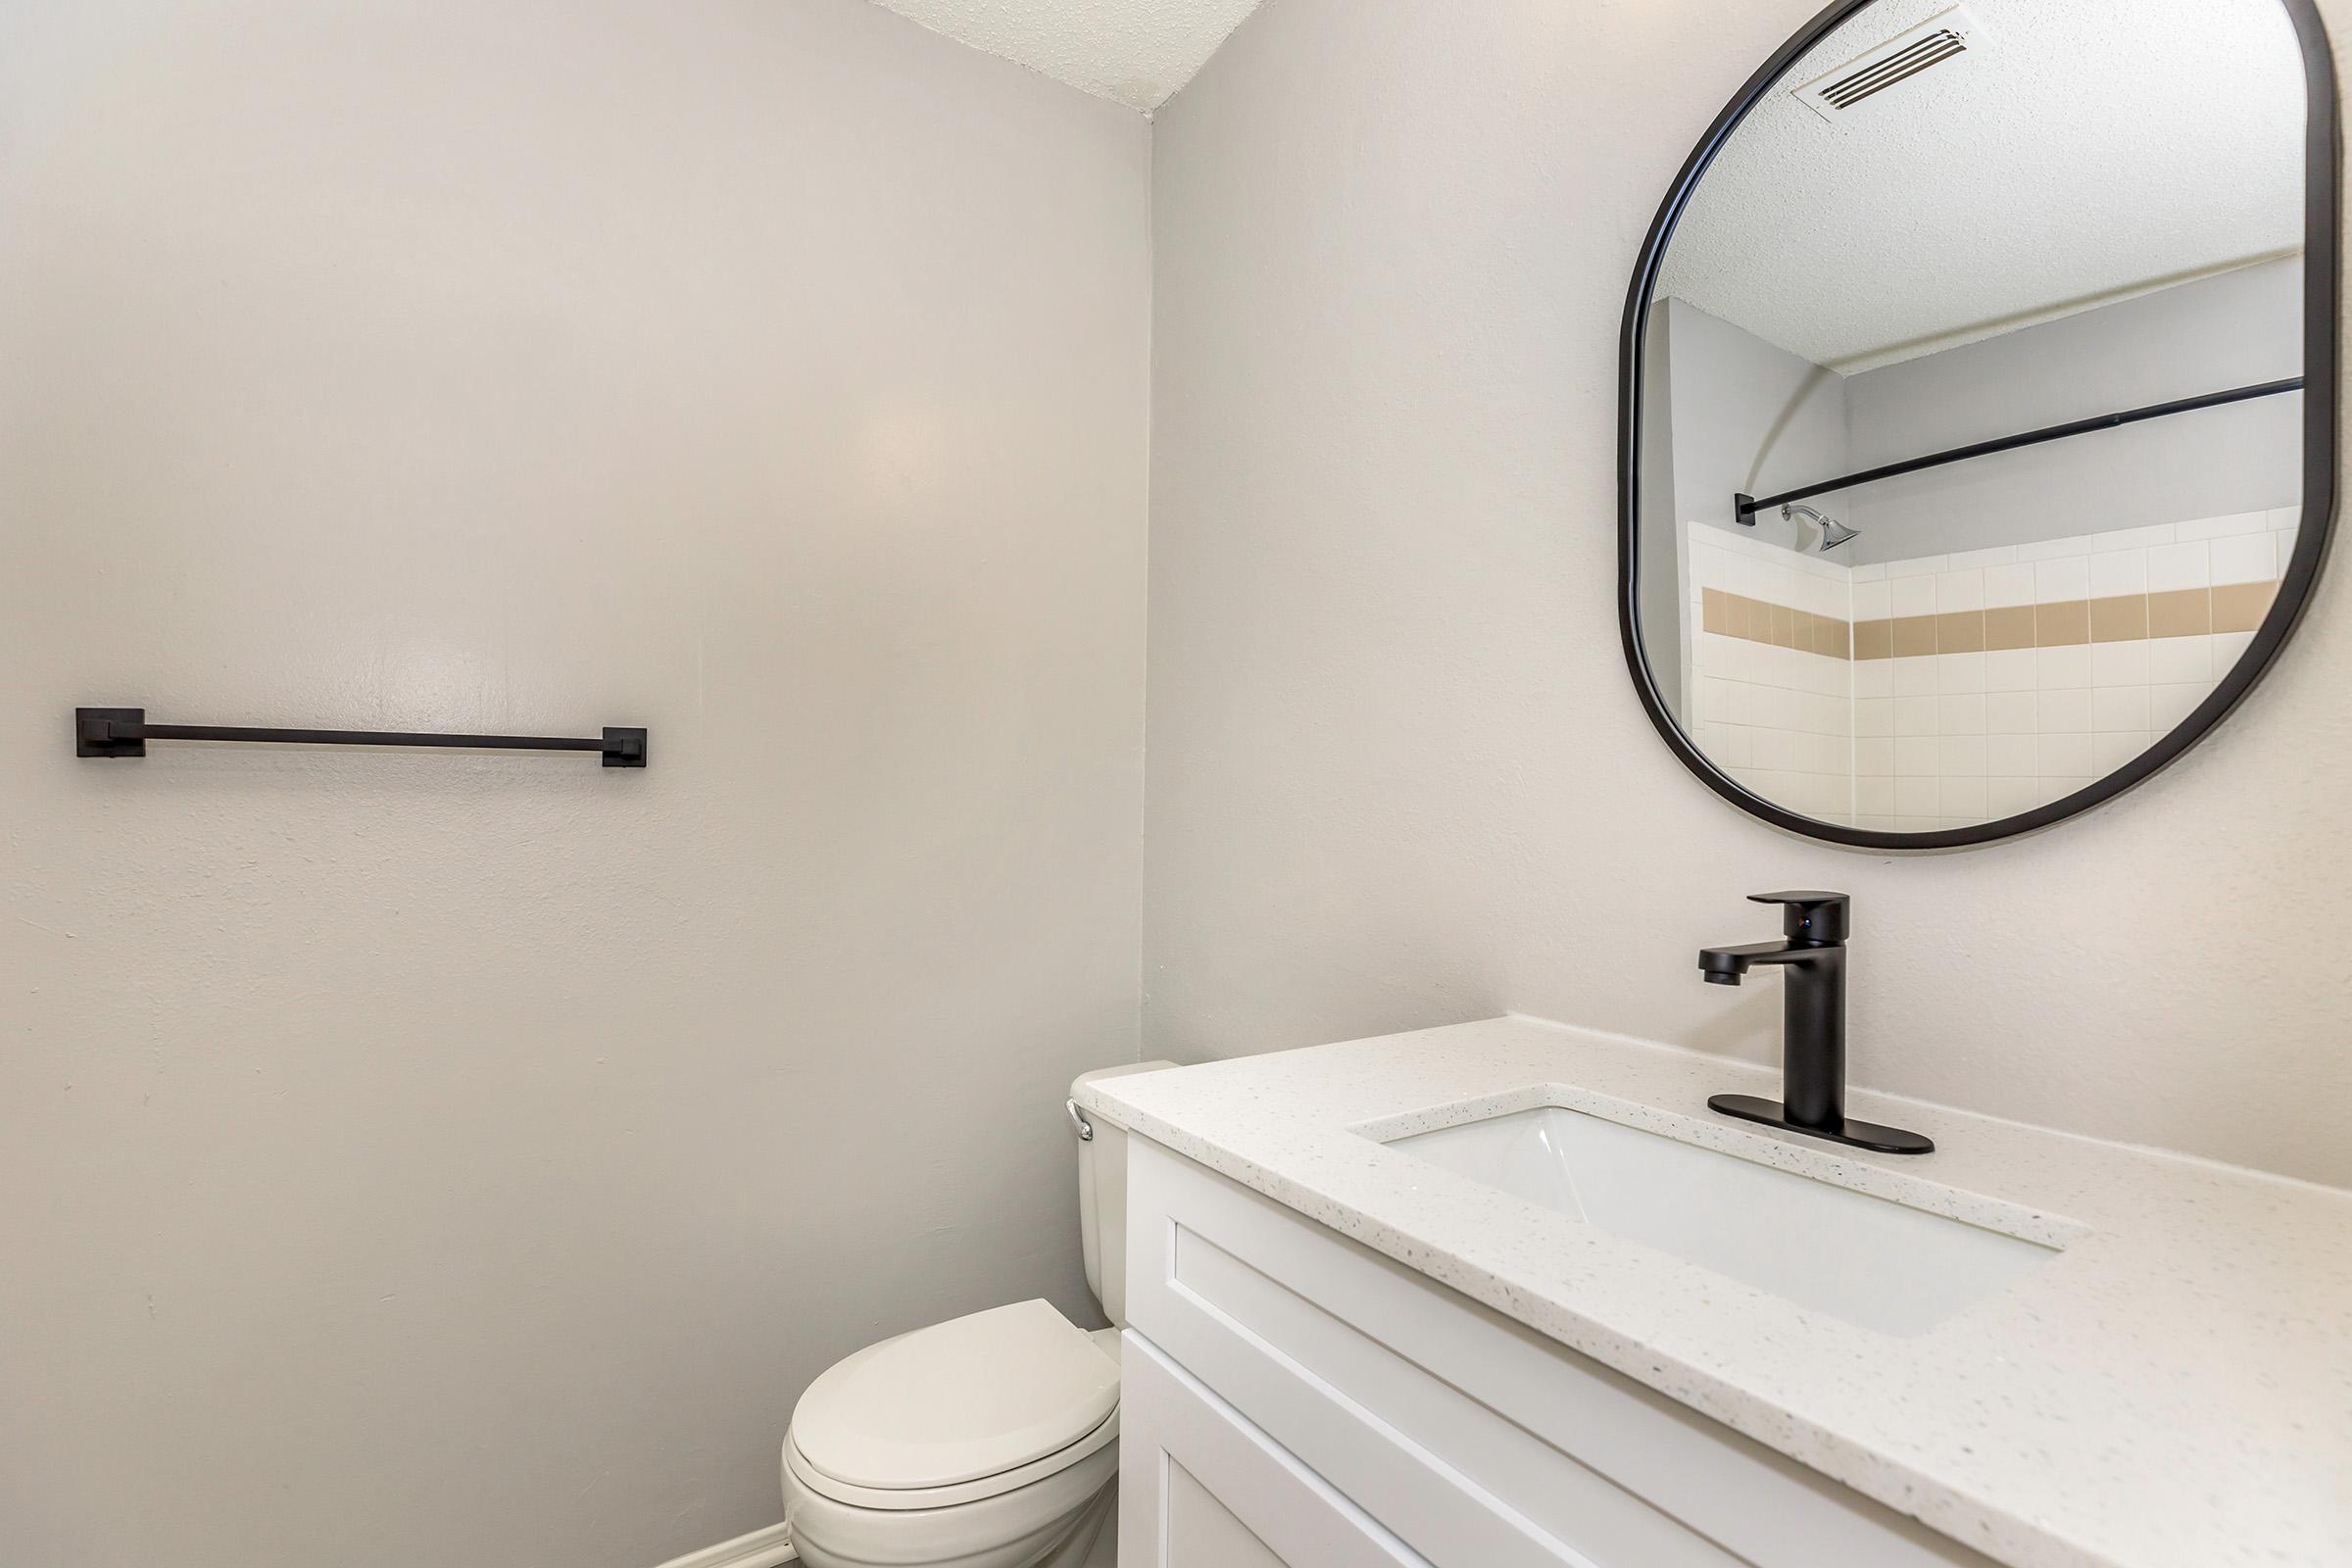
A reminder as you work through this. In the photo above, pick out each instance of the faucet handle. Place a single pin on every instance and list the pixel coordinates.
(1812, 920)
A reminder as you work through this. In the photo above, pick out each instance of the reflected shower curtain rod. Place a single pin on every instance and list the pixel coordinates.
(1748, 506)
(125, 732)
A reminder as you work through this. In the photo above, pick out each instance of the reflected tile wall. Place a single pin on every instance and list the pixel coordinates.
(2051, 664)
(1772, 695)
(1947, 691)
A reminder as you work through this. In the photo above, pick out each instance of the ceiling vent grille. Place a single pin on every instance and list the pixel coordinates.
(1946, 35)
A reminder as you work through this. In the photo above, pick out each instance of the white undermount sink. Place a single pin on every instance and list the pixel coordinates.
(1869, 1260)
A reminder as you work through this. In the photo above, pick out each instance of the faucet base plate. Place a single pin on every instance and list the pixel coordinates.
(1860, 1134)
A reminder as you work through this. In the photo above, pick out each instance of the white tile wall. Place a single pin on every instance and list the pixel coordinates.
(1779, 720)
(2054, 720)
(1950, 740)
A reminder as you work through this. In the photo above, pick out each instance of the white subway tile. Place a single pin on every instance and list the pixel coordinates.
(1962, 796)
(2171, 567)
(2245, 557)
(1873, 601)
(2119, 663)
(2064, 712)
(1916, 567)
(1959, 672)
(1914, 596)
(1959, 590)
(1875, 796)
(1874, 678)
(2006, 587)
(1915, 756)
(1915, 716)
(2238, 523)
(2010, 711)
(1874, 716)
(1960, 755)
(1876, 572)
(1916, 797)
(1874, 756)
(2286, 518)
(2119, 571)
(2181, 658)
(2062, 668)
(1914, 676)
(2068, 577)
(2118, 707)
(2228, 646)
(2063, 754)
(1960, 715)
(2009, 751)
(2012, 670)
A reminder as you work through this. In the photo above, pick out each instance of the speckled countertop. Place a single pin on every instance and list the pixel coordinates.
(2172, 1391)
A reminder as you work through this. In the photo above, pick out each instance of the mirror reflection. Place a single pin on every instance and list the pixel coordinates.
(2043, 261)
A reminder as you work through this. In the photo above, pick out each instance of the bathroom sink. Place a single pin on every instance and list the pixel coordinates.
(1869, 1260)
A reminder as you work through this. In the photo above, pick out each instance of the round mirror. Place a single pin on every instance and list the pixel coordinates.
(1979, 407)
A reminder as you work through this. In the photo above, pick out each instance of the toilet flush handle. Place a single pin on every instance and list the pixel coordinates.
(1086, 1129)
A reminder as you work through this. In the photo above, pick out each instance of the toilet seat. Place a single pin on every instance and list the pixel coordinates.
(957, 1412)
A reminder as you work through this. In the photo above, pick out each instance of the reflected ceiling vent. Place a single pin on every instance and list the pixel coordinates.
(1946, 35)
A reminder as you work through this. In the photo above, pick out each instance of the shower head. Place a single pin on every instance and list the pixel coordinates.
(1833, 533)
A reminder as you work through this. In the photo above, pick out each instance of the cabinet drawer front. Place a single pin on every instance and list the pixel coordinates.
(1478, 1441)
(1200, 1487)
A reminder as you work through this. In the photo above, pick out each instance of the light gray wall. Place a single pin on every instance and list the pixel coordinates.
(2233, 329)
(1665, 637)
(1725, 413)
(1749, 419)
(436, 1159)
(1398, 776)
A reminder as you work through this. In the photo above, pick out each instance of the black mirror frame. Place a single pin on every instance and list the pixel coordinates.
(2321, 173)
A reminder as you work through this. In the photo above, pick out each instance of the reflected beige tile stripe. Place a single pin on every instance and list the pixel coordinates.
(1756, 621)
(2064, 623)
(2069, 622)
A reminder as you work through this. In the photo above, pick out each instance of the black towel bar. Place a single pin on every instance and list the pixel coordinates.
(125, 732)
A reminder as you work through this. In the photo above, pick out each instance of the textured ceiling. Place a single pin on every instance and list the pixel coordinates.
(2076, 153)
(1137, 52)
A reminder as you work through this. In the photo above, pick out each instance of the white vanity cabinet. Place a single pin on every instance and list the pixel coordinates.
(1293, 1400)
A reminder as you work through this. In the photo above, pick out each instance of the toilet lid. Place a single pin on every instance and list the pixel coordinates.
(957, 1401)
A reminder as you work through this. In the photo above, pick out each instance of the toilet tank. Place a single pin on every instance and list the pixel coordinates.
(1103, 1196)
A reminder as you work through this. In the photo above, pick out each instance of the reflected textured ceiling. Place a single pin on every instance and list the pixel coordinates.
(1137, 52)
(2078, 151)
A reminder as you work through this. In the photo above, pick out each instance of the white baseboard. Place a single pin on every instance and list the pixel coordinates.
(762, 1549)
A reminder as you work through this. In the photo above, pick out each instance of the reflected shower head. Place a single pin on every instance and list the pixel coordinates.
(1833, 533)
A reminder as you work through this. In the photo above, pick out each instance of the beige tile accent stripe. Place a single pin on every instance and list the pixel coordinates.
(1757, 621)
(2068, 623)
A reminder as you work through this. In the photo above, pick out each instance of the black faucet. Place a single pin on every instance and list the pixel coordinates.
(1813, 1026)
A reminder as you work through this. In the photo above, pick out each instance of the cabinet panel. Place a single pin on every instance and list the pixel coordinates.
(1201, 1488)
(1476, 1441)
(1202, 1533)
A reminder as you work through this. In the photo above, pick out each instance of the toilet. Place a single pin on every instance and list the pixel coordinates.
(986, 1442)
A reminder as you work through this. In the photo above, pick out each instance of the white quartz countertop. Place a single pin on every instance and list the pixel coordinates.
(2174, 1390)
